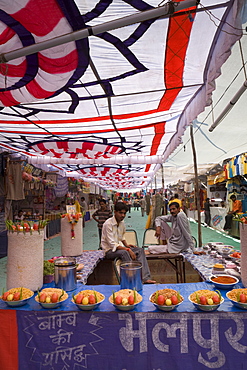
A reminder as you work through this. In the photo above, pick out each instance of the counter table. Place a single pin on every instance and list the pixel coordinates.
(67, 338)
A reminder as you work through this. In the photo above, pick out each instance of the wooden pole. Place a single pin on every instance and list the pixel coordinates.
(163, 190)
(44, 202)
(197, 195)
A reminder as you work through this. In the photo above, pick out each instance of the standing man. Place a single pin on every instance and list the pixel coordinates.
(83, 204)
(101, 215)
(143, 205)
(236, 208)
(207, 212)
(166, 204)
(114, 244)
(111, 204)
(84, 209)
(130, 204)
(178, 236)
(136, 204)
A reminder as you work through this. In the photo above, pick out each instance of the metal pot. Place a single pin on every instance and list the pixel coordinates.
(65, 273)
(131, 275)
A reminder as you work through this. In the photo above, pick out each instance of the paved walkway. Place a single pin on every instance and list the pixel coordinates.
(134, 220)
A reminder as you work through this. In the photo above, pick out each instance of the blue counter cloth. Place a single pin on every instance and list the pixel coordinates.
(145, 306)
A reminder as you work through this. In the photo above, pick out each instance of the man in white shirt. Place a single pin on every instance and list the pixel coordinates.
(114, 244)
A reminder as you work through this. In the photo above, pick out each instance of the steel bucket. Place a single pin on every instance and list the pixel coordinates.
(131, 275)
(65, 273)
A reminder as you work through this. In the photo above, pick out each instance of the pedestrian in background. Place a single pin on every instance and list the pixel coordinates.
(101, 215)
(84, 209)
(111, 204)
(136, 204)
(143, 206)
(129, 204)
(207, 213)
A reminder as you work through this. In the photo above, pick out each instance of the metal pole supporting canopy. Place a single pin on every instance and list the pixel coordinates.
(166, 10)
(229, 106)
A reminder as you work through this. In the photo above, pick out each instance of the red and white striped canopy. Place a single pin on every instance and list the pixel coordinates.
(114, 103)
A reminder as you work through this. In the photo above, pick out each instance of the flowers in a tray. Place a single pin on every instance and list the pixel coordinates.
(25, 226)
(72, 219)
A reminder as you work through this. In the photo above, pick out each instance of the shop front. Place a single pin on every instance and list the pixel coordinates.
(231, 181)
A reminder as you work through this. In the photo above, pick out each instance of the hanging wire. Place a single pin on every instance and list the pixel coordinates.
(211, 16)
(242, 57)
(212, 110)
(94, 69)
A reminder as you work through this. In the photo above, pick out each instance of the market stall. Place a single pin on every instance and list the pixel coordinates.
(109, 338)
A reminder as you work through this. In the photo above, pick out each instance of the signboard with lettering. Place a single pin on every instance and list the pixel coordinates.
(71, 209)
(126, 341)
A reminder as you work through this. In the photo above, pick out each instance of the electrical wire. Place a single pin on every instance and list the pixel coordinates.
(211, 16)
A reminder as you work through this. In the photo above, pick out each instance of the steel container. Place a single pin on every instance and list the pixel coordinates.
(65, 273)
(131, 275)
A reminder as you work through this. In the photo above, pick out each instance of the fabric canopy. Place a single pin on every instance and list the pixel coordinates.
(112, 107)
(228, 139)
